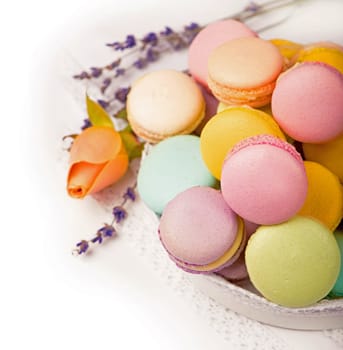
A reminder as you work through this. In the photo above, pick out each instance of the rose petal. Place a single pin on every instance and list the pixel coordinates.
(111, 172)
(81, 178)
(96, 144)
(98, 158)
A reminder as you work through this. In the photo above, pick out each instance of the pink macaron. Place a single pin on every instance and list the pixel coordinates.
(307, 102)
(208, 39)
(200, 231)
(264, 180)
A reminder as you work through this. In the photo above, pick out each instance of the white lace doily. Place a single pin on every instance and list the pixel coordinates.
(140, 231)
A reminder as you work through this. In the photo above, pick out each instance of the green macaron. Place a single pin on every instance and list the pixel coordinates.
(295, 263)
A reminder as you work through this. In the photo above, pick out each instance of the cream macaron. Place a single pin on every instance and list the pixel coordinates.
(164, 103)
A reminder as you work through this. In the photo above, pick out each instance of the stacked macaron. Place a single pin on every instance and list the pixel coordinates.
(259, 194)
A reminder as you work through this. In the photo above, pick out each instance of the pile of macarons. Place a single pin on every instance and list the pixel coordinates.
(246, 164)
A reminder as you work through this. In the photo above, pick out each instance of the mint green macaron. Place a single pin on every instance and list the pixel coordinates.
(173, 165)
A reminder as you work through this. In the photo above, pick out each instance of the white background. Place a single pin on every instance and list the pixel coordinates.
(49, 299)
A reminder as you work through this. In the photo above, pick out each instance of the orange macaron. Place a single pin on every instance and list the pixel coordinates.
(244, 71)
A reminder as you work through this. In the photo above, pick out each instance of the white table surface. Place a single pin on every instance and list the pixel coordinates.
(112, 299)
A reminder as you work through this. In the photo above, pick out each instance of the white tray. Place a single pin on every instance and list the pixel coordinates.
(244, 299)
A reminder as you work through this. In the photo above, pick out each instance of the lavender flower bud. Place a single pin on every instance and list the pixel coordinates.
(83, 246)
(96, 72)
(107, 231)
(167, 31)
(130, 194)
(129, 42)
(119, 214)
(119, 72)
(104, 104)
(121, 94)
(150, 39)
(86, 124)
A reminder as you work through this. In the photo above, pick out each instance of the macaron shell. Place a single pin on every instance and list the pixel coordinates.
(328, 154)
(164, 103)
(332, 56)
(294, 264)
(198, 227)
(324, 200)
(264, 180)
(287, 48)
(307, 102)
(227, 128)
(212, 36)
(227, 259)
(245, 63)
(171, 167)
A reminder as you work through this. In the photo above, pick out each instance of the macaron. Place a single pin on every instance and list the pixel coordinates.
(307, 102)
(235, 272)
(324, 200)
(171, 167)
(325, 52)
(328, 154)
(225, 129)
(164, 103)
(212, 36)
(244, 71)
(288, 49)
(222, 106)
(337, 289)
(200, 232)
(295, 263)
(264, 180)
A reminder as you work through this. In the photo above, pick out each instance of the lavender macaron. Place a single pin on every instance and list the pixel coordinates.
(200, 231)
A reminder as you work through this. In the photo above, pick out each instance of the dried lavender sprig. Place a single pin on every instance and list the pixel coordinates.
(150, 48)
(108, 230)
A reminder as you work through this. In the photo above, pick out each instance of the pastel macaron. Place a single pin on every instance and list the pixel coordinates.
(288, 49)
(328, 154)
(225, 129)
(337, 289)
(171, 167)
(164, 103)
(324, 200)
(295, 263)
(210, 37)
(264, 180)
(200, 232)
(307, 102)
(325, 52)
(244, 71)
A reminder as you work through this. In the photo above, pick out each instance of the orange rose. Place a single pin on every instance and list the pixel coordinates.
(98, 158)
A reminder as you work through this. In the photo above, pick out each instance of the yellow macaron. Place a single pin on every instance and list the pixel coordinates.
(324, 200)
(230, 126)
(287, 48)
(328, 53)
(328, 154)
